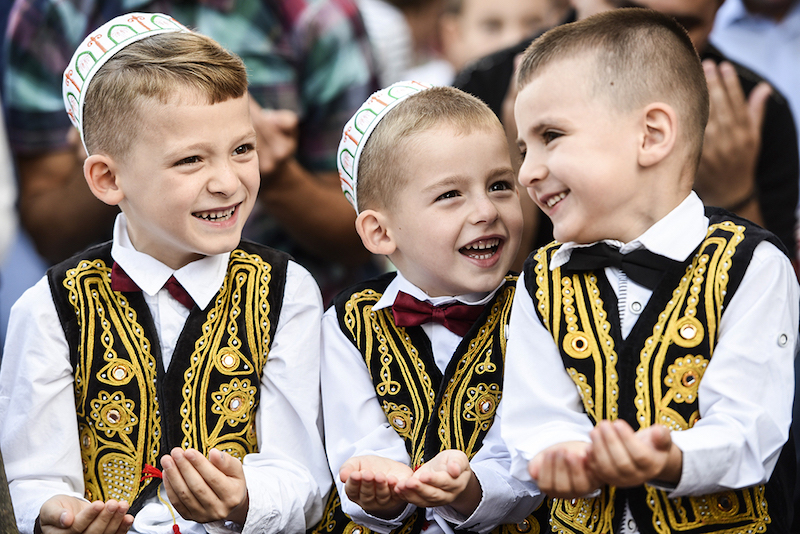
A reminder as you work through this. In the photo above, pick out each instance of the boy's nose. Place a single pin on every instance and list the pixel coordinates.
(484, 210)
(531, 172)
(225, 181)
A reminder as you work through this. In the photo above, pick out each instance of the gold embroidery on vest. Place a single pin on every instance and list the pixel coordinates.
(109, 449)
(462, 402)
(244, 291)
(743, 510)
(588, 333)
(459, 403)
(368, 326)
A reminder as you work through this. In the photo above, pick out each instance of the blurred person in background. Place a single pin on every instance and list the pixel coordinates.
(472, 29)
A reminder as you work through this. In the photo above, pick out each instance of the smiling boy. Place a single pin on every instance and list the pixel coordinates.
(649, 379)
(177, 343)
(412, 361)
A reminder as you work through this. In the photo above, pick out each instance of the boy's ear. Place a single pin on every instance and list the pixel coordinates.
(659, 133)
(372, 227)
(101, 175)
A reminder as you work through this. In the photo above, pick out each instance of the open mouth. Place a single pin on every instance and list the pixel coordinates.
(216, 216)
(482, 249)
(555, 199)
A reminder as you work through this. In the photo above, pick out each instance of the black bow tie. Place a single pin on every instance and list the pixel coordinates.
(641, 266)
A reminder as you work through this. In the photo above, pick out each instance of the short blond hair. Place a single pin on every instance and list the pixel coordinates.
(640, 56)
(380, 167)
(156, 67)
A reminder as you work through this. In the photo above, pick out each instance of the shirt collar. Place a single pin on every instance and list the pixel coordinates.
(201, 278)
(400, 283)
(674, 236)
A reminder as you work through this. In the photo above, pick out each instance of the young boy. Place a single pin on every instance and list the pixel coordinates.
(649, 378)
(176, 343)
(413, 361)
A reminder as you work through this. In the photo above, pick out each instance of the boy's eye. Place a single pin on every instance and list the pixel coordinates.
(449, 194)
(549, 136)
(243, 149)
(502, 185)
(188, 161)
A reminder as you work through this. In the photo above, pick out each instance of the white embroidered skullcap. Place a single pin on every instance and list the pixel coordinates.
(360, 127)
(100, 46)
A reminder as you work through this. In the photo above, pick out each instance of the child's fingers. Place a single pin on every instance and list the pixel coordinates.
(177, 488)
(420, 494)
(617, 460)
(640, 452)
(102, 522)
(352, 487)
(198, 492)
(599, 459)
(222, 473)
(125, 525)
(382, 491)
(82, 520)
(541, 470)
(109, 521)
(347, 468)
(561, 478)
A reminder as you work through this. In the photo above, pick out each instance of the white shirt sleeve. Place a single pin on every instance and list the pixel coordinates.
(541, 405)
(288, 478)
(37, 408)
(355, 424)
(747, 391)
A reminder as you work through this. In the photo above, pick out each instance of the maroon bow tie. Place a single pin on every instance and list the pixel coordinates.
(458, 318)
(120, 281)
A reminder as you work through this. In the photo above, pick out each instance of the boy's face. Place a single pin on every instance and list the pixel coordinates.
(483, 27)
(190, 178)
(580, 161)
(456, 222)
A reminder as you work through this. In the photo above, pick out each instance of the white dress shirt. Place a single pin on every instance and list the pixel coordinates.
(286, 480)
(356, 425)
(745, 396)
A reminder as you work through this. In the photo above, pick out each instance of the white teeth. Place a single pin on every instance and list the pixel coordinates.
(215, 215)
(552, 201)
(483, 244)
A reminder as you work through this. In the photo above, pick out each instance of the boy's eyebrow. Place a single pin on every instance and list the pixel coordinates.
(445, 182)
(457, 179)
(538, 127)
(178, 152)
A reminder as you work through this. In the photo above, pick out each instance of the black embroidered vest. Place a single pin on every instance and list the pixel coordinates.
(652, 377)
(130, 409)
(430, 411)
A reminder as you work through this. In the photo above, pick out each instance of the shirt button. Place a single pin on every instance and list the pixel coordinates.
(636, 307)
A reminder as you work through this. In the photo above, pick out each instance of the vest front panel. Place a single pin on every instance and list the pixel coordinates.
(130, 409)
(652, 377)
(431, 411)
